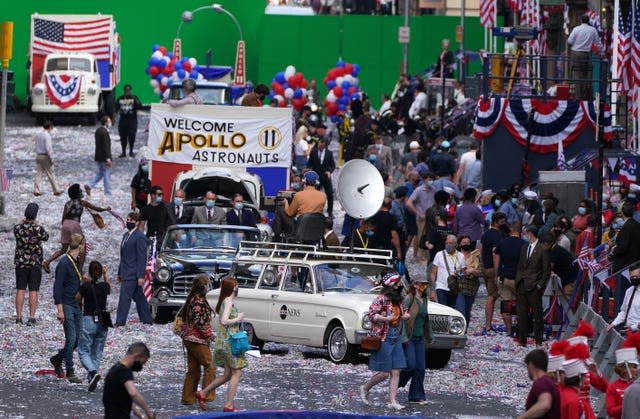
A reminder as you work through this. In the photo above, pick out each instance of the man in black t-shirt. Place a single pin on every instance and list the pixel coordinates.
(127, 107)
(489, 240)
(155, 216)
(386, 234)
(506, 257)
(120, 395)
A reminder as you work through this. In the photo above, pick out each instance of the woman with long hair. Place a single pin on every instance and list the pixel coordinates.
(387, 312)
(301, 148)
(233, 364)
(470, 281)
(196, 316)
(417, 330)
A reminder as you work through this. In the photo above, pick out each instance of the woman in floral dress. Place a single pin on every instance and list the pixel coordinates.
(229, 323)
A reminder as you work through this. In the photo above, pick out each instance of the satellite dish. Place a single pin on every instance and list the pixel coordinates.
(360, 189)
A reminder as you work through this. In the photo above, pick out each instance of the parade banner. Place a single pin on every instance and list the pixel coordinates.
(231, 136)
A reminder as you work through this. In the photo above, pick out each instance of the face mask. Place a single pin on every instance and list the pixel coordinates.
(238, 206)
(178, 201)
(369, 233)
(145, 168)
(631, 196)
(504, 228)
(210, 203)
(422, 287)
(430, 183)
(183, 237)
(635, 281)
(450, 248)
(109, 125)
(467, 247)
(525, 238)
(617, 224)
(137, 366)
(130, 225)
(498, 202)
(514, 201)
(373, 158)
(582, 210)
(378, 146)
(604, 206)
(295, 186)
(158, 199)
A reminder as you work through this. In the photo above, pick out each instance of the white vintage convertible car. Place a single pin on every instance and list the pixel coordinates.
(297, 294)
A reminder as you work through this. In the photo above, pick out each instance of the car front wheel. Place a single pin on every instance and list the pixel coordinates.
(162, 315)
(437, 359)
(339, 348)
(253, 339)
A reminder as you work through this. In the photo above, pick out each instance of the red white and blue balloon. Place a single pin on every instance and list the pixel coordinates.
(165, 69)
(342, 82)
(289, 86)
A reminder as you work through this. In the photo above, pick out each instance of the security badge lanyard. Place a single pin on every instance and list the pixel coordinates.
(362, 240)
(73, 262)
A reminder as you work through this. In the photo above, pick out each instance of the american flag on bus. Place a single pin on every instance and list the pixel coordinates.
(487, 13)
(5, 179)
(148, 272)
(624, 52)
(91, 36)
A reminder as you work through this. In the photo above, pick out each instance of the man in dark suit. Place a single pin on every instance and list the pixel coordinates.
(238, 215)
(330, 238)
(179, 213)
(208, 213)
(131, 272)
(322, 162)
(534, 268)
(626, 250)
(102, 157)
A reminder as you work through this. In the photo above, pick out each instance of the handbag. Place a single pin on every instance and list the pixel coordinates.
(239, 341)
(104, 317)
(178, 324)
(452, 280)
(97, 219)
(370, 343)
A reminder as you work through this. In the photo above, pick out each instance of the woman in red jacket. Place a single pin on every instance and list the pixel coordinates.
(627, 369)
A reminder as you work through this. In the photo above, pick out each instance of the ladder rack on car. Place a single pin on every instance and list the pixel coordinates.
(294, 251)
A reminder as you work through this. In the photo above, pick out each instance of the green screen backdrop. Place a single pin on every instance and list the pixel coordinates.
(312, 44)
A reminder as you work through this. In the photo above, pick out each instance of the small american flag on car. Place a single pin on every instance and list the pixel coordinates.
(5, 179)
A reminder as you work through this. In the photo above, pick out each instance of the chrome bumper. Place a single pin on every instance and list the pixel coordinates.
(442, 341)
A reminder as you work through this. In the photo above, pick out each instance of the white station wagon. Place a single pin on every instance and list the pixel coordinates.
(297, 294)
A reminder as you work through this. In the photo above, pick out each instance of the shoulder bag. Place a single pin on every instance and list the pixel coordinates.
(239, 341)
(452, 279)
(97, 219)
(179, 323)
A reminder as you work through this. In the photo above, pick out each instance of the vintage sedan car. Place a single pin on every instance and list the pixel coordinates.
(189, 250)
(297, 294)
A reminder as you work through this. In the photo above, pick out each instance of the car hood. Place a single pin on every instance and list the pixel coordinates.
(186, 260)
(363, 301)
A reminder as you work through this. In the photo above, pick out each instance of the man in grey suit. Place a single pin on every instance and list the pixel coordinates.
(209, 213)
(534, 268)
(131, 272)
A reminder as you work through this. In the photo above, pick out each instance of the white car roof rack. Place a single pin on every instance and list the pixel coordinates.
(302, 252)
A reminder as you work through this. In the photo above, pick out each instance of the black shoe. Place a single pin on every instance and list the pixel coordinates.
(31, 321)
(73, 378)
(19, 320)
(56, 361)
(131, 154)
(123, 155)
(93, 381)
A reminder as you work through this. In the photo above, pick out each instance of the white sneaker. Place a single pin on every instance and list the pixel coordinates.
(395, 405)
(364, 395)
(419, 402)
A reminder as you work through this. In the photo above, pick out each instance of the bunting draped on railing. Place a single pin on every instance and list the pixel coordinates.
(553, 120)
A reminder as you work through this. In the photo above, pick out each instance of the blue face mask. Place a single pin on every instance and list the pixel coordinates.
(373, 158)
(379, 146)
(210, 203)
(514, 201)
(369, 233)
(498, 202)
(158, 199)
(631, 196)
(582, 210)
(177, 201)
(295, 186)
(145, 168)
(183, 237)
(525, 238)
(238, 206)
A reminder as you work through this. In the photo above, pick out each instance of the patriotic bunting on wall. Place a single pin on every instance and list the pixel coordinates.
(553, 120)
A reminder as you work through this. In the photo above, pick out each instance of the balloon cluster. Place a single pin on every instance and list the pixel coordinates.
(165, 69)
(342, 82)
(289, 85)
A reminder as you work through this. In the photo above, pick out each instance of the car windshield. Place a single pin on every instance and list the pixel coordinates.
(213, 96)
(206, 238)
(195, 189)
(79, 64)
(348, 277)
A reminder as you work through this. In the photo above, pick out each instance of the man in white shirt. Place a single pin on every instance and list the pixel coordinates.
(581, 39)
(44, 159)
(446, 263)
(629, 315)
(465, 163)
(419, 102)
(386, 104)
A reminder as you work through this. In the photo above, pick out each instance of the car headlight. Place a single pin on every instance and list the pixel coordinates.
(92, 90)
(38, 89)
(162, 295)
(163, 274)
(366, 323)
(456, 325)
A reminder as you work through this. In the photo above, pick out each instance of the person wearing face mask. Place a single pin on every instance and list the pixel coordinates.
(387, 313)
(470, 281)
(209, 213)
(579, 221)
(131, 272)
(488, 242)
(102, 157)
(509, 206)
(180, 213)
(628, 317)
(140, 186)
(420, 200)
(238, 215)
(468, 218)
(155, 216)
(448, 262)
(384, 153)
(362, 236)
(532, 275)
(416, 331)
(626, 250)
(549, 216)
(127, 107)
(120, 395)
(587, 237)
